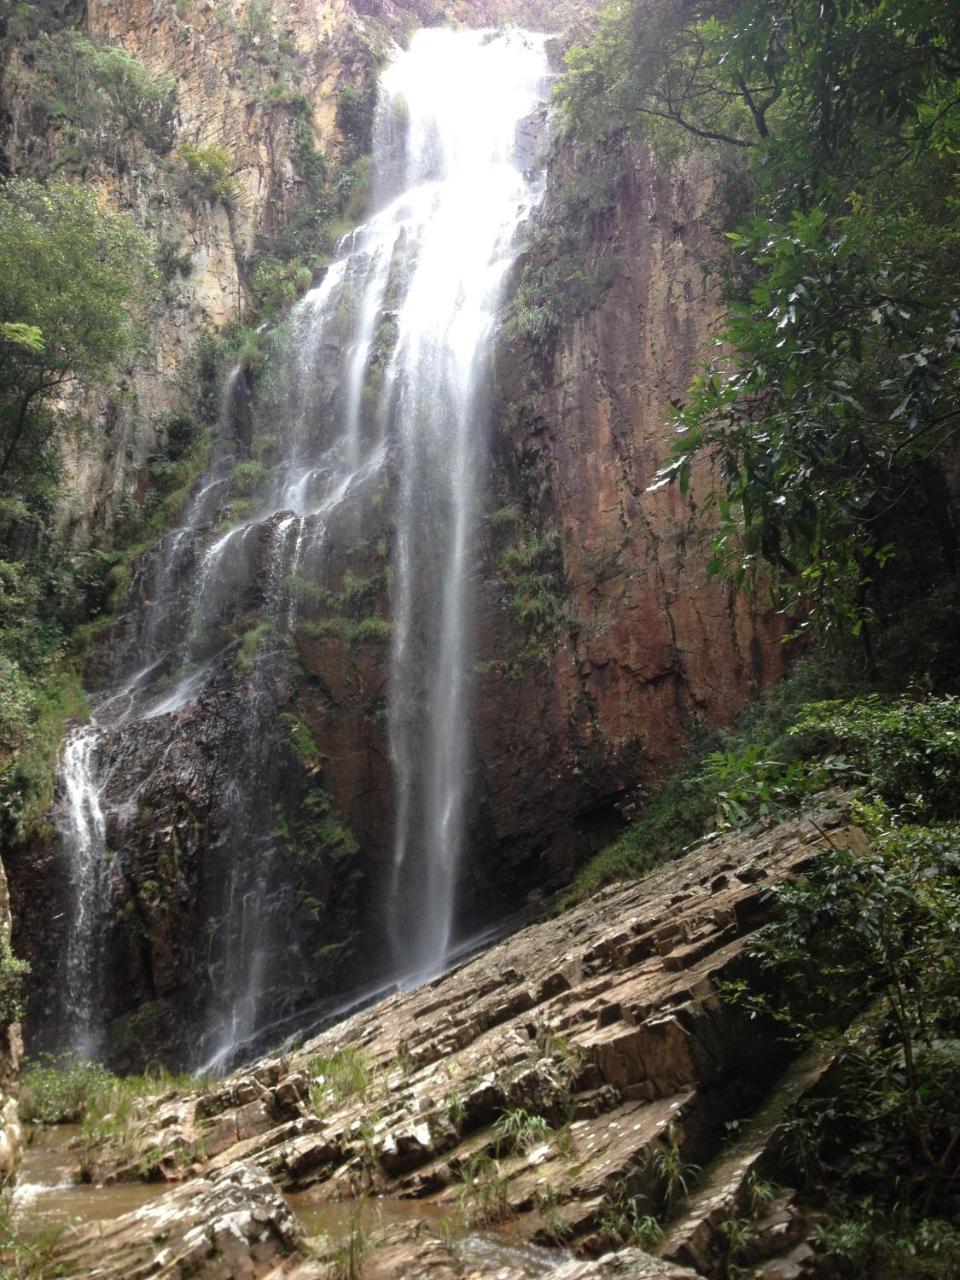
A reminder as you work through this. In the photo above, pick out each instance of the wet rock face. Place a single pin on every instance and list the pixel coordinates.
(600, 1036)
(650, 648)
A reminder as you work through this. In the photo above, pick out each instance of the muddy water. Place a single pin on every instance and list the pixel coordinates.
(48, 1201)
(487, 1251)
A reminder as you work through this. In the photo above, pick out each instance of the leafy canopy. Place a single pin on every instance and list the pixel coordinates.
(832, 400)
(68, 271)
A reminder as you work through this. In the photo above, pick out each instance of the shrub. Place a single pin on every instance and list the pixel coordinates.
(275, 285)
(60, 1090)
(207, 174)
(13, 974)
(105, 92)
(870, 938)
(905, 751)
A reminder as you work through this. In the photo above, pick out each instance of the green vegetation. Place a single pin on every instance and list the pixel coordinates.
(831, 430)
(520, 1130)
(68, 271)
(331, 192)
(13, 976)
(348, 1256)
(482, 1197)
(531, 569)
(373, 630)
(253, 643)
(72, 1090)
(624, 1221)
(102, 99)
(344, 1075)
(113, 1111)
(568, 273)
(21, 1259)
(207, 174)
(861, 956)
(669, 1171)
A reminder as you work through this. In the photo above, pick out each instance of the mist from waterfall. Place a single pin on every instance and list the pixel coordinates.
(383, 377)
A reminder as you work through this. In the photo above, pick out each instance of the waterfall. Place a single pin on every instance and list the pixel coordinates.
(383, 374)
(462, 97)
(84, 831)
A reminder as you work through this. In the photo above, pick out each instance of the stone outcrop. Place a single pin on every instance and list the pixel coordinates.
(232, 1227)
(547, 1085)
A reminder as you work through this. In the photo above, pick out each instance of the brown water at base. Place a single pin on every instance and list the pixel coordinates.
(489, 1249)
(47, 1201)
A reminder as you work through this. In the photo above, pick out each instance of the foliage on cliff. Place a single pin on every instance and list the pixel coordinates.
(93, 103)
(68, 271)
(834, 423)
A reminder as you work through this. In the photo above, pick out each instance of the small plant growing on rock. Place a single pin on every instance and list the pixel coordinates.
(348, 1256)
(455, 1108)
(760, 1195)
(624, 1222)
(519, 1130)
(347, 1074)
(739, 1237)
(483, 1196)
(553, 1231)
(552, 1044)
(671, 1172)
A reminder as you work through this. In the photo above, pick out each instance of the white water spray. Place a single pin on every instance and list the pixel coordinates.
(463, 96)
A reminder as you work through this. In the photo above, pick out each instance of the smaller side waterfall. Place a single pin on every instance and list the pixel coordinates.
(140, 696)
(84, 831)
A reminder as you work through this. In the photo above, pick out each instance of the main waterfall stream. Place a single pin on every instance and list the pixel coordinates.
(380, 385)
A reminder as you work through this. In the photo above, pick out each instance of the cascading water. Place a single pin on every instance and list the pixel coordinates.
(463, 97)
(84, 833)
(384, 381)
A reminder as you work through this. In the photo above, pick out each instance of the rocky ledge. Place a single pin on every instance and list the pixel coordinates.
(563, 1096)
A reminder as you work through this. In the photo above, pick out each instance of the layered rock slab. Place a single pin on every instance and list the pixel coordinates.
(604, 1027)
(234, 1227)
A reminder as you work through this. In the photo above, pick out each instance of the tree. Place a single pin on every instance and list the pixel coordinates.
(835, 394)
(68, 271)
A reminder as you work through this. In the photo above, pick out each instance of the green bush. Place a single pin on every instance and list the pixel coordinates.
(207, 173)
(60, 1090)
(248, 477)
(13, 976)
(275, 285)
(907, 751)
(868, 940)
(104, 92)
(252, 644)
